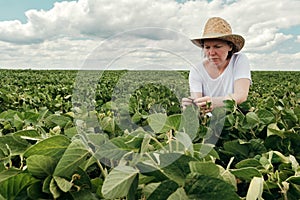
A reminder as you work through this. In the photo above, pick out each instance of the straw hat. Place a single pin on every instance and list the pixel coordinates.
(218, 28)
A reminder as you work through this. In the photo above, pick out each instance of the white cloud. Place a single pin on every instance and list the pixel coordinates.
(65, 35)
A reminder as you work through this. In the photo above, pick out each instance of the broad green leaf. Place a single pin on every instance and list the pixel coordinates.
(150, 169)
(13, 145)
(185, 139)
(252, 119)
(40, 166)
(54, 189)
(175, 166)
(293, 192)
(73, 157)
(109, 151)
(190, 122)
(228, 177)
(118, 182)
(204, 168)
(161, 191)
(46, 185)
(54, 120)
(53, 146)
(237, 147)
(179, 194)
(157, 122)
(28, 134)
(250, 162)
(133, 188)
(255, 190)
(294, 179)
(265, 116)
(18, 122)
(173, 122)
(107, 124)
(81, 178)
(2, 198)
(246, 173)
(205, 151)
(34, 191)
(96, 186)
(11, 187)
(274, 130)
(146, 146)
(202, 187)
(63, 184)
(6, 174)
(83, 194)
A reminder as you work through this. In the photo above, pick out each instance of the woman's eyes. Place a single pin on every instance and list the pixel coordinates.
(208, 47)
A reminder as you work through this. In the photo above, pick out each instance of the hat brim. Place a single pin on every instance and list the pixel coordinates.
(237, 40)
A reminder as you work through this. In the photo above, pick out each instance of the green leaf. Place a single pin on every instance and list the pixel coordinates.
(237, 147)
(13, 145)
(107, 124)
(34, 191)
(118, 182)
(252, 119)
(246, 173)
(28, 134)
(250, 162)
(265, 116)
(185, 139)
(83, 194)
(204, 168)
(205, 151)
(63, 184)
(294, 179)
(53, 146)
(109, 151)
(6, 174)
(190, 122)
(46, 185)
(173, 122)
(150, 169)
(175, 166)
(54, 189)
(11, 187)
(160, 191)
(40, 166)
(73, 157)
(54, 120)
(228, 177)
(274, 130)
(157, 122)
(255, 190)
(202, 187)
(179, 194)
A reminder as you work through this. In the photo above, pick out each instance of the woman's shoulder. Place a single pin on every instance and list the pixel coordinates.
(238, 57)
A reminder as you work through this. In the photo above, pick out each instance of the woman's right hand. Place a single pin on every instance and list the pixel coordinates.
(187, 101)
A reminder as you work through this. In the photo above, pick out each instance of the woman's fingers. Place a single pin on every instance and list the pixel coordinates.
(204, 103)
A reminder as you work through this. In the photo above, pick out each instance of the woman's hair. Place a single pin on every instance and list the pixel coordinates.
(233, 50)
(230, 53)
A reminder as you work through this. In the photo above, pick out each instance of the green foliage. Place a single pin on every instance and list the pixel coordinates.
(105, 144)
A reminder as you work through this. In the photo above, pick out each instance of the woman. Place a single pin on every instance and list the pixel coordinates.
(224, 72)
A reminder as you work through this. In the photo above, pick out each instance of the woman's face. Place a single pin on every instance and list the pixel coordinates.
(216, 51)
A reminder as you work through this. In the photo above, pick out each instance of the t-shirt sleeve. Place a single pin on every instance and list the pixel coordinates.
(195, 81)
(242, 67)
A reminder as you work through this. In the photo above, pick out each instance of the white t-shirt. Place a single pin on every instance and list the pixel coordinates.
(200, 80)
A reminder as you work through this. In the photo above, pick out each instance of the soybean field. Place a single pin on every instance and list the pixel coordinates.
(123, 135)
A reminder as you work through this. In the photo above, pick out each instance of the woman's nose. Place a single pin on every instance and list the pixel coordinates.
(211, 51)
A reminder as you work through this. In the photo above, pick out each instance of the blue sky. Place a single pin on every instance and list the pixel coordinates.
(62, 34)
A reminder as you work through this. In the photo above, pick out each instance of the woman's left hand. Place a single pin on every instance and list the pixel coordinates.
(204, 104)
